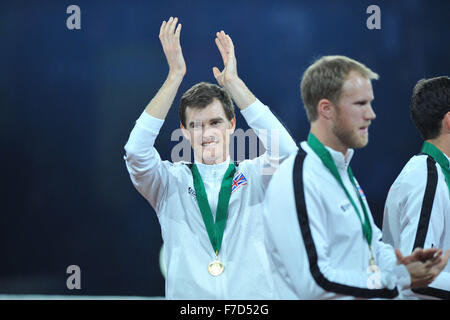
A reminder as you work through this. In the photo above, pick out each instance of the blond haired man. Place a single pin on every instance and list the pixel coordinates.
(321, 237)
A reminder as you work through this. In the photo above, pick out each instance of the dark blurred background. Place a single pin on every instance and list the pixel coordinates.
(69, 99)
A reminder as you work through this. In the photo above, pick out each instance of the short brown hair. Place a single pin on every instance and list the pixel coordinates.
(324, 80)
(201, 95)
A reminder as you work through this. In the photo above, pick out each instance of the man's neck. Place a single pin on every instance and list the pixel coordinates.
(442, 143)
(327, 138)
(211, 161)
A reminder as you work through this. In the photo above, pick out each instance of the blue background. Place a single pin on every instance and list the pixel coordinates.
(69, 99)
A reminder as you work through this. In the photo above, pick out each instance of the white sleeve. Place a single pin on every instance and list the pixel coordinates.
(274, 136)
(148, 173)
(391, 274)
(409, 204)
(434, 232)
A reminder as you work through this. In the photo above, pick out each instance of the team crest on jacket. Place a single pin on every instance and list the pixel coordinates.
(238, 181)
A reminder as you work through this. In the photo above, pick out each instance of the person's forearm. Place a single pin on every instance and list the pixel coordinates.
(241, 95)
(160, 104)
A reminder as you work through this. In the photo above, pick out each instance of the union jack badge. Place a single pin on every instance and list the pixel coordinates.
(238, 181)
(360, 190)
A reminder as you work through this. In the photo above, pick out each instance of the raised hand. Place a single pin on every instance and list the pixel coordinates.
(226, 49)
(169, 35)
(229, 78)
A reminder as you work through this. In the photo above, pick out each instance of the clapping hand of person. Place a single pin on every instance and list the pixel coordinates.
(169, 35)
(228, 77)
(423, 265)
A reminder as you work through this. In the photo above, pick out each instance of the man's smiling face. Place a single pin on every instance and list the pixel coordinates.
(209, 131)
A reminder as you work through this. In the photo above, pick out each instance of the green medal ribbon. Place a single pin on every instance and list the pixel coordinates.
(440, 158)
(328, 161)
(215, 230)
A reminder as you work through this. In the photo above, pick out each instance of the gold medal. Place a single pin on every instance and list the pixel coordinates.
(215, 268)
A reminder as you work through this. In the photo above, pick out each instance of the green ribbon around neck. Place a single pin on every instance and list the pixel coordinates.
(215, 229)
(328, 161)
(440, 158)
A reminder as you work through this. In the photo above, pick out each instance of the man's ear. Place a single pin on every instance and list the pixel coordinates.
(447, 120)
(445, 124)
(232, 125)
(326, 109)
(186, 132)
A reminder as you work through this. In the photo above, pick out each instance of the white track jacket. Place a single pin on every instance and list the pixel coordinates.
(169, 189)
(315, 239)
